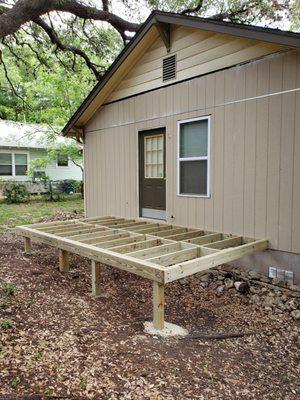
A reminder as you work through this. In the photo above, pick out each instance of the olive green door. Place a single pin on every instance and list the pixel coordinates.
(152, 156)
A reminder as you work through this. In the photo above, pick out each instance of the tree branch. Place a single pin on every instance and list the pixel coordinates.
(76, 51)
(193, 10)
(11, 19)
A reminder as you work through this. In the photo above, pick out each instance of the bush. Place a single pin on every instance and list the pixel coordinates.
(15, 192)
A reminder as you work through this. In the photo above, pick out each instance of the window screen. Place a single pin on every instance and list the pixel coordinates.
(62, 160)
(21, 164)
(6, 168)
(193, 157)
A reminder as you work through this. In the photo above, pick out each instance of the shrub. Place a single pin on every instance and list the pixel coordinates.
(15, 192)
(6, 324)
(8, 288)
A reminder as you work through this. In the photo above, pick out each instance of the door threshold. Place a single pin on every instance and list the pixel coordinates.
(154, 214)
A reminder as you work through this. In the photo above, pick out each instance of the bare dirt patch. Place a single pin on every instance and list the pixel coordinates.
(63, 343)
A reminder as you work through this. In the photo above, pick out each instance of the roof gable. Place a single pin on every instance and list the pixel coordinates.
(163, 32)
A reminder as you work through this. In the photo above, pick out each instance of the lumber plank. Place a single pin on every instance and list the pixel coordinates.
(88, 219)
(79, 231)
(43, 225)
(155, 251)
(201, 240)
(224, 256)
(170, 232)
(158, 305)
(148, 226)
(90, 235)
(96, 277)
(105, 238)
(121, 241)
(116, 222)
(186, 235)
(225, 243)
(136, 246)
(130, 225)
(67, 228)
(175, 257)
(152, 231)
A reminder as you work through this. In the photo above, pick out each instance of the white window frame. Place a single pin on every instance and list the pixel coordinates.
(13, 153)
(207, 158)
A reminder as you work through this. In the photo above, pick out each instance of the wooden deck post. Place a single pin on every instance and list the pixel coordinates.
(27, 245)
(158, 305)
(63, 256)
(96, 276)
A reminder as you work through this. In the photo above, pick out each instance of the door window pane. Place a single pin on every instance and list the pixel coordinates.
(193, 177)
(6, 164)
(194, 139)
(154, 158)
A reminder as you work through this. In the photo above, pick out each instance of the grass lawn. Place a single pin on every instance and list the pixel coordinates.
(12, 215)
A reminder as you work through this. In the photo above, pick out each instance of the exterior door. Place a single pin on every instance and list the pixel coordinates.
(152, 156)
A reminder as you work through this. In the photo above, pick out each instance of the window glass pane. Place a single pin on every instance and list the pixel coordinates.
(21, 169)
(6, 170)
(62, 160)
(193, 177)
(154, 157)
(5, 159)
(21, 159)
(193, 139)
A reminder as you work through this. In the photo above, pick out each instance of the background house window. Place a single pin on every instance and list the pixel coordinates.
(13, 164)
(6, 166)
(194, 138)
(62, 160)
(21, 164)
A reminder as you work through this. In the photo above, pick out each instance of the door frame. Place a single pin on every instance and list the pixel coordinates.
(140, 133)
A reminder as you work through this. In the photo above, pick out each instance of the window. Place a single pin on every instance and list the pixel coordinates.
(154, 156)
(20, 164)
(13, 164)
(193, 157)
(6, 166)
(62, 160)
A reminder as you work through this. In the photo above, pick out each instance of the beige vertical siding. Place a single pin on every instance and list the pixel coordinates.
(255, 150)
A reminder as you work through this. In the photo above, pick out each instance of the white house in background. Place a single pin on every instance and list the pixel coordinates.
(21, 143)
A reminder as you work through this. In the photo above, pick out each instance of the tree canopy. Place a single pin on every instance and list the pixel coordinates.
(53, 51)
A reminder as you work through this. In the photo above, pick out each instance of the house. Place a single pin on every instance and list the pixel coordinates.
(197, 123)
(21, 143)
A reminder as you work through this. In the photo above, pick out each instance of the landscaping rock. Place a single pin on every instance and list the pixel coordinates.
(229, 283)
(295, 314)
(254, 275)
(255, 299)
(242, 287)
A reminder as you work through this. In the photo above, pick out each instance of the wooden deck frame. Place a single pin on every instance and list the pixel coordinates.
(159, 252)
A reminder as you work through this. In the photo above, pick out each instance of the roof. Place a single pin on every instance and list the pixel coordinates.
(21, 135)
(161, 18)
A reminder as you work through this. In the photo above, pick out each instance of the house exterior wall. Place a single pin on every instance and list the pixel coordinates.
(255, 150)
(52, 170)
